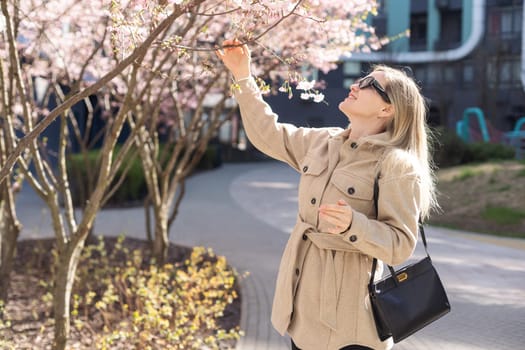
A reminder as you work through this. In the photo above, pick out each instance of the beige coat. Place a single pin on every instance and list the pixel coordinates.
(321, 296)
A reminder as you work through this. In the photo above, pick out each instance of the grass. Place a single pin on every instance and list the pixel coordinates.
(465, 174)
(484, 198)
(503, 188)
(503, 215)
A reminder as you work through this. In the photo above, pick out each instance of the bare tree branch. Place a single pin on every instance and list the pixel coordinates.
(27, 140)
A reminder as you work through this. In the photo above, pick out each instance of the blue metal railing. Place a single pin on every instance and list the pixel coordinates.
(463, 127)
(516, 138)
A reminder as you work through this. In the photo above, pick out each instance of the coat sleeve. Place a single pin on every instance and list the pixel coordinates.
(392, 237)
(281, 141)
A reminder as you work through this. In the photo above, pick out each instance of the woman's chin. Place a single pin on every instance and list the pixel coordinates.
(344, 108)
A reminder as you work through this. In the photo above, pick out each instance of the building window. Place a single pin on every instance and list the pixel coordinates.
(504, 73)
(351, 71)
(420, 74)
(468, 73)
(505, 22)
(433, 74)
(352, 68)
(449, 74)
(347, 82)
(450, 36)
(418, 32)
(517, 21)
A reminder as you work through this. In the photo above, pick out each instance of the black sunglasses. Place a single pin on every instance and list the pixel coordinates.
(370, 81)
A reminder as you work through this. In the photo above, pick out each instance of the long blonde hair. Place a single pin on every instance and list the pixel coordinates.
(409, 132)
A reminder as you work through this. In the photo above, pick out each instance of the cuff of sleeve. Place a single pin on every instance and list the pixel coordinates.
(245, 85)
(357, 232)
(243, 79)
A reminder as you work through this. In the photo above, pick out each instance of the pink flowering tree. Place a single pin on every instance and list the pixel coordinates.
(67, 44)
(173, 118)
(156, 60)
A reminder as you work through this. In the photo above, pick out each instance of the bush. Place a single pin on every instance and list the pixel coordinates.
(451, 150)
(482, 152)
(133, 188)
(127, 302)
(448, 149)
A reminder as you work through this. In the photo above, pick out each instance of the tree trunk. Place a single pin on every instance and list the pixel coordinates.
(161, 242)
(9, 231)
(62, 295)
(8, 240)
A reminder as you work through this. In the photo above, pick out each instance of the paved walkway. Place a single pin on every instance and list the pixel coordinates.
(245, 212)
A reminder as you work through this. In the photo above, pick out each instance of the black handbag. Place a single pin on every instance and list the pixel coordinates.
(408, 299)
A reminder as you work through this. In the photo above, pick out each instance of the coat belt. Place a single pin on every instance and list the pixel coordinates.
(331, 247)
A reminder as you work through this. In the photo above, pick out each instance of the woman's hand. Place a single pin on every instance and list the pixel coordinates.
(236, 58)
(340, 215)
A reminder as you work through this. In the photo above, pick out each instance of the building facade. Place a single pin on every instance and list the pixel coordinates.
(463, 53)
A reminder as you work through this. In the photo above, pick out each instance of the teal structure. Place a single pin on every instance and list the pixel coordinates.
(463, 126)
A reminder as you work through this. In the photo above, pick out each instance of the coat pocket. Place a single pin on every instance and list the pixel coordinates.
(357, 191)
(353, 186)
(313, 166)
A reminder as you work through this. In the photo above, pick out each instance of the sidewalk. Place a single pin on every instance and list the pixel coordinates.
(246, 211)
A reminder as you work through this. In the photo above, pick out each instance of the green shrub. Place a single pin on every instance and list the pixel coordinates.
(133, 188)
(483, 151)
(451, 150)
(448, 149)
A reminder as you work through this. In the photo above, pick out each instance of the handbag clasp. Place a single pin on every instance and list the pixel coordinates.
(402, 277)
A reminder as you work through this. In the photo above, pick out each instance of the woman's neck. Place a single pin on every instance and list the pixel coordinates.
(358, 131)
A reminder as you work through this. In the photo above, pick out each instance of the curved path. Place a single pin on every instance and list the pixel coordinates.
(245, 211)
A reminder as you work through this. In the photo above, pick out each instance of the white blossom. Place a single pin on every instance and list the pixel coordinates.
(305, 96)
(318, 97)
(305, 85)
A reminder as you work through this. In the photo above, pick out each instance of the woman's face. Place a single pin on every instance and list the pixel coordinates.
(365, 102)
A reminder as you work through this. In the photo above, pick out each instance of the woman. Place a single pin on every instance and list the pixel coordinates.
(321, 297)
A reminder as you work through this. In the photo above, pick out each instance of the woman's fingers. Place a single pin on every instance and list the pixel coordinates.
(334, 208)
(236, 57)
(339, 215)
(334, 220)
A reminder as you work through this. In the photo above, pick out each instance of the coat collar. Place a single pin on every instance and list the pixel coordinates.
(343, 135)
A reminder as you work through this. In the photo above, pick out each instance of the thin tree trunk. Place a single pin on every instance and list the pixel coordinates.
(10, 229)
(9, 232)
(161, 242)
(65, 277)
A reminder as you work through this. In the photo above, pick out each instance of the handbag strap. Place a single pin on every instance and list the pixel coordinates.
(420, 227)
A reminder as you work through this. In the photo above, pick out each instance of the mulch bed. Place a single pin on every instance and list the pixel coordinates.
(31, 318)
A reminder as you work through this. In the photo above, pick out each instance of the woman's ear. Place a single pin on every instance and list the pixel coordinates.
(387, 111)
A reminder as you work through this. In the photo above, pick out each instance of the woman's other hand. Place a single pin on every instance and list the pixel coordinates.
(339, 215)
(236, 58)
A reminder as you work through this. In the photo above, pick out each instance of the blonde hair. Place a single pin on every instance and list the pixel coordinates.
(409, 132)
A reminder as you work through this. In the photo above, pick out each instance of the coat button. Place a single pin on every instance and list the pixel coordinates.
(353, 145)
(313, 201)
(297, 272)
(305, 168)
(353, 238)
(351, 190)
(305, 237)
